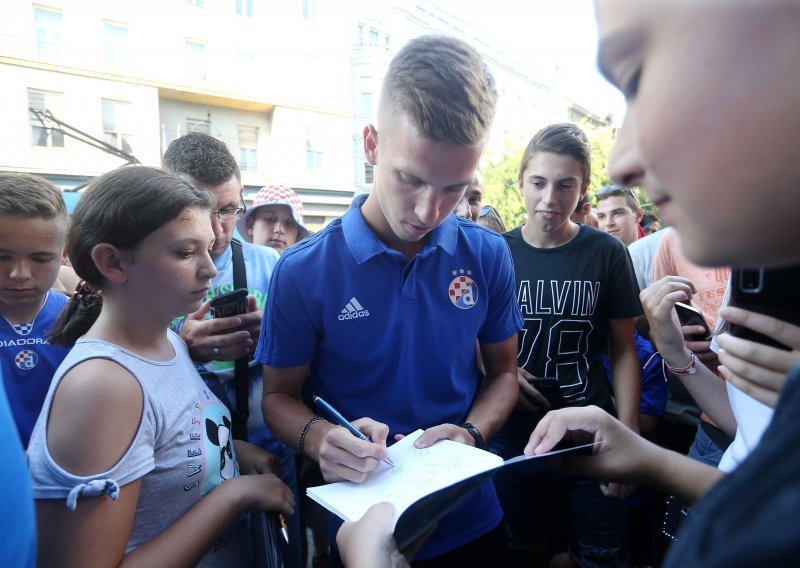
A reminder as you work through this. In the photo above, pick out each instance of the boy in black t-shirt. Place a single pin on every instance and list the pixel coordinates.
(578, 294)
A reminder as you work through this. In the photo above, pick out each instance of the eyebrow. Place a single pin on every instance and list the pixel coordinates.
(30, 253)
(557, 180)
(415, 179)
(614, 47)
(187, 241)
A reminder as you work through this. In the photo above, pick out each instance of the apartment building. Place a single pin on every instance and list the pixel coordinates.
(288, 85)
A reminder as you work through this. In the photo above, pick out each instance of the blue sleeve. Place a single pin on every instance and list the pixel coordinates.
(654, 381)
(503, 318)
(288, 335)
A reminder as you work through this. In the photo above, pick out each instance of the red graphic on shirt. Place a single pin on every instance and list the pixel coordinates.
(463, 292)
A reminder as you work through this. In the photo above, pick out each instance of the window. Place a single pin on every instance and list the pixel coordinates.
(373, 37)
(313, 159)
(48, 32)
(309, 9)
(313, 151)
(248, 148)
(118, 124)
(116, 45)
(369, 173)
(198, 3)
(195, 60)
(246, 60)
(360, 38)
(43, 101)
(366, 103)
(244, 8)
(198, 125)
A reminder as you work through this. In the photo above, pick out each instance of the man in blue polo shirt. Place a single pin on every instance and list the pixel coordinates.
(381, 309)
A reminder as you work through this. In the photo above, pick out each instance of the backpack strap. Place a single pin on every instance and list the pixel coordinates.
(241, 366)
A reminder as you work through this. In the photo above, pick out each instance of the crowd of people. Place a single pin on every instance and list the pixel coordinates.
(161, 432)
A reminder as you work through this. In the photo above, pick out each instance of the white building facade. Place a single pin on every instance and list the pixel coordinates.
(287, 85)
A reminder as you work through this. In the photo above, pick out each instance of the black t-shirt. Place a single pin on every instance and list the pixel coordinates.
(752, 517)
(567, 295)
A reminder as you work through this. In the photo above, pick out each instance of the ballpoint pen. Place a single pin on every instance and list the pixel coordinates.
(330, 414)
(284, 528)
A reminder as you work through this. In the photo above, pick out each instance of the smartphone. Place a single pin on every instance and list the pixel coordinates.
(689, 315)
(550, 389)
(229, 304)
(771, 292)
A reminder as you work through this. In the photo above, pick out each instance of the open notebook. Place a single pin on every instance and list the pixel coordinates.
(424, 484)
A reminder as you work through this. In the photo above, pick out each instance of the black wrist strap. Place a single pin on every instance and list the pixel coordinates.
(480, 443)
(241, 368)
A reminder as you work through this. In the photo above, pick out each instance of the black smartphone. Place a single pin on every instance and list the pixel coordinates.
(771, 292)
(229, 304)
(689, 315)
(550, 389)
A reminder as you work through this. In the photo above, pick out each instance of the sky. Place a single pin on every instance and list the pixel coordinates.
(555, 38)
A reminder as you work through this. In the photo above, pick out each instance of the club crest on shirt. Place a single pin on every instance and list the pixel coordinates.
(26, 359)
(463, 291)
(22, 328)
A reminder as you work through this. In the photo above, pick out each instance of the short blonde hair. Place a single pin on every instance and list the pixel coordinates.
(27, 195)
(443, 85)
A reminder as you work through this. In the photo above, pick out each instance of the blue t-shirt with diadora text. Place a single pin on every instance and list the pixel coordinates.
(28, 362)
(392, 338)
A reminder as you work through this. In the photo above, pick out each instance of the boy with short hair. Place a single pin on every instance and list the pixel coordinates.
(577, 293)
(619, 213)
(424, 284)
(33, 230)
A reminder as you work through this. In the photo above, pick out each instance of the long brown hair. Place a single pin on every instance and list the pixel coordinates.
(120, 208)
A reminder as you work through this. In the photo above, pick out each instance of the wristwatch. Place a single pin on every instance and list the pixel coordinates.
(480, 443)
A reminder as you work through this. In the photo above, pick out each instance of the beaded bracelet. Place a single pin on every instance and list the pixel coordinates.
(689, 369)
(301, 442)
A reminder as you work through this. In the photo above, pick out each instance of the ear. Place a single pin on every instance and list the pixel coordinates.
(371, 144)
(110, 262)
(519, 185)
(639, 214)
(249, 222)
(585, 187)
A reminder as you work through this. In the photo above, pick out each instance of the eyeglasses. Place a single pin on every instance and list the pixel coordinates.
(613, 190)
(229, 215)
(485, 210)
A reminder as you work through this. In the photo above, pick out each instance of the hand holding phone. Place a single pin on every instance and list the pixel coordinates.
(229, 304)
(770, 292)
(689, 315)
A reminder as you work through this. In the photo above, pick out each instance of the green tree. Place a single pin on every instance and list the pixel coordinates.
(601, 139)
(500, 188)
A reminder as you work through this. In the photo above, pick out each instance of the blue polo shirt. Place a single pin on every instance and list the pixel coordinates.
(394, 339)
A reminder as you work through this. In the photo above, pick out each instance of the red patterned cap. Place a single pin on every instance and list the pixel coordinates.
(275, 195)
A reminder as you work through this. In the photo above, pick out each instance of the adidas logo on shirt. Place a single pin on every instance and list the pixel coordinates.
(353, 310)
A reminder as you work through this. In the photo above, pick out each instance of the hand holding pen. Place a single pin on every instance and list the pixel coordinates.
(334, 416)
